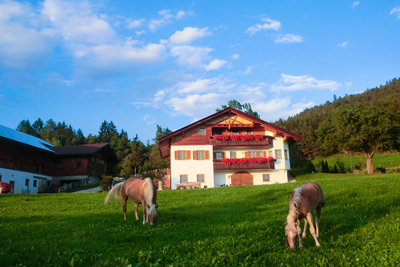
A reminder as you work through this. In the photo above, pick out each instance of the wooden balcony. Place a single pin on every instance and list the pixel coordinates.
(218, 165)
(266, 141)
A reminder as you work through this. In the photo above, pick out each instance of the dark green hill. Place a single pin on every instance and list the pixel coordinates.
(306, 123)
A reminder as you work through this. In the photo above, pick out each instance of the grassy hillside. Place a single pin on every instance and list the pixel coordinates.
(225, 226)
(384, 160)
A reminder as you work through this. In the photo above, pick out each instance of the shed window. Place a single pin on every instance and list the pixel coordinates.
(27, 182)
(78, 164)
(34, 183)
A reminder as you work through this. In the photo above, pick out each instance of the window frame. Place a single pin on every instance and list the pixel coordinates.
(35, 183)
(26, 182)
(216, 155)
(183, 175)
(232, 153)
(202, 131)
(286, 154)
(278, 153)
(204, 179)
(266, 177)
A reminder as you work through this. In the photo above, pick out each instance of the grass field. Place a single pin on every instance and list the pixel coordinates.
(383, 160)
(225, 226)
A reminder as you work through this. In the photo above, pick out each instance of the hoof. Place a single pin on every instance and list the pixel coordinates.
(318, 245)
(304, 235)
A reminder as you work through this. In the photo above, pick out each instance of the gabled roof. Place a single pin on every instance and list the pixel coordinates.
(25, 139)
(86, 150)
(269, 126)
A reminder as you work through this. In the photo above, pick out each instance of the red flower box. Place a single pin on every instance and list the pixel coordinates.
(6, 187)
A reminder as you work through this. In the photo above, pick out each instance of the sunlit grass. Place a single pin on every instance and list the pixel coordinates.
(225, 226)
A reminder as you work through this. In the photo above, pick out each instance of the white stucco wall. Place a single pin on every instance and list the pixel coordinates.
(192, 167)
(279, 144)
(19, 179)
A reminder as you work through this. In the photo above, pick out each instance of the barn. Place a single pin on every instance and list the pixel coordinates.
(228, 148)
(32, 165)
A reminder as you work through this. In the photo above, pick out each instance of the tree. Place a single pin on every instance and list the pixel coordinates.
(25, 127)
(246, 108)
(360, 128)
(161, 132)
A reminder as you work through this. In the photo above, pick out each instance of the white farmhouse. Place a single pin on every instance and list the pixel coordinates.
(228, 148)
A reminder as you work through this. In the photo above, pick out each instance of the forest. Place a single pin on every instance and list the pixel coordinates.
(134, 156)
(364, 123)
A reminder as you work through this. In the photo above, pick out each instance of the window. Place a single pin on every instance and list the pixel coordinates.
(270, 154)
(200, 178)
(265, 177)
(27, 182)
(233, 155)
(202, 131)
(235, 133)
(259, 154)
(219, 155)
(48, 183)
(218, 132)
(286, 154)
(184, 178)
(0, 177)
(34, 183)
(252, 154)
(201, 154)
(248, 132)
(78, 164)
(182, 154)
(278, 154)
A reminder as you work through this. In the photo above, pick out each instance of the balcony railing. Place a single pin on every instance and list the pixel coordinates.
(218, 165)
(264, 142)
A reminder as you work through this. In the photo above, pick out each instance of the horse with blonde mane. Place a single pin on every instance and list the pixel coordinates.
(303, 201)
(139, 192)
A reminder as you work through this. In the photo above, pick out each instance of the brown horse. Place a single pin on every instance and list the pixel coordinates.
(303, 201)
(140, 192)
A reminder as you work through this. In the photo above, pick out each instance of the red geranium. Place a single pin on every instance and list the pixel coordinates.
(6, 187)
(235, 137)
(271, 159)
(258, 137)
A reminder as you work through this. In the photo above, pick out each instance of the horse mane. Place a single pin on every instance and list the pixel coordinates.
(116, 190)
(149, 189)
(294, 203)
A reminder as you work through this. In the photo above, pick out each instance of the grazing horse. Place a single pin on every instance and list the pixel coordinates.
(140, 192)
(303, 201)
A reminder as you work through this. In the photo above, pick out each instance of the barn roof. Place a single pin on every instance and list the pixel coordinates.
(23, 138)
(86, 150)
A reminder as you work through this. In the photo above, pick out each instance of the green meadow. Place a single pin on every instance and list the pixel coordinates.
(225, 226)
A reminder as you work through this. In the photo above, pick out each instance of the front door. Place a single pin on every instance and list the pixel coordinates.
(242, 178)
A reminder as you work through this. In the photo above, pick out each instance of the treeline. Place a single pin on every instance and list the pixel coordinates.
(385, 97)
(134, 157)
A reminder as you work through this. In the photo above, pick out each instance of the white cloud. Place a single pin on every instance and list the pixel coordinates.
(149, 119)
(188, 34)
(289, 38)
(297, 83)
(135, 24)
(204, 85)
(344, 44)
(215, 64)
(355, 3)
(17, 22)
(182, 14)
(76, 22)
(247, 71)
(396, 11)
(269, 25)
(235, 56)
(190, 56)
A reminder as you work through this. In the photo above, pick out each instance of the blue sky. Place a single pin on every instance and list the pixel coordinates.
(143, 63)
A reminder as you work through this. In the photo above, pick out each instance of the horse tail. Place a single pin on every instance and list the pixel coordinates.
(116, 190)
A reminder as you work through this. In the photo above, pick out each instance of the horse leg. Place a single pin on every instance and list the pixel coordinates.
(317, 220)
(144, 213)
(136, 211)
(299, 233)
(305, 227)
(312, 229)
(124, 199)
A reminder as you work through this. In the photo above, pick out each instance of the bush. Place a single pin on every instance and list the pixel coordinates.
(105, 182)
(359, 166)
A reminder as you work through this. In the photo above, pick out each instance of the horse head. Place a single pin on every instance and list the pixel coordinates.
(291, 234)
(153, 214)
